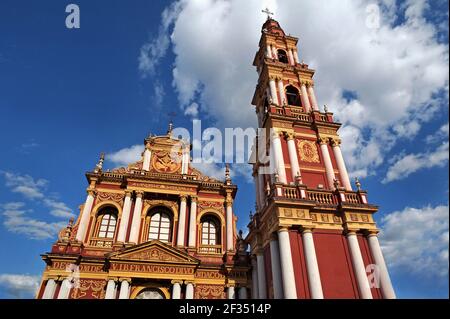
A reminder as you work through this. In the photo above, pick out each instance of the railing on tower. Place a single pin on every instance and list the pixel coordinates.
(320, 196)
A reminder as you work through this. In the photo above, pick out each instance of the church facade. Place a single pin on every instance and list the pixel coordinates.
(157, 229)
(160, 229)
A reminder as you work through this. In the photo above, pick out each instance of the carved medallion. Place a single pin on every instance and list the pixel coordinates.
(163, 162)
(307, 151)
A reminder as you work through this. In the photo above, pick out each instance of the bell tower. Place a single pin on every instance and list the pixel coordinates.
(312, 235)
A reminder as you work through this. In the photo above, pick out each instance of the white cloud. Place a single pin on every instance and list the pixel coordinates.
(395, 71)
(58, 209)
(16, 221)
(411, 163)
(192, 110)
(25, 185)
(158, 95)
(34, 189)
(20, 285)
(441, 134)
(126, 156)
(154, 50)
(415, 240)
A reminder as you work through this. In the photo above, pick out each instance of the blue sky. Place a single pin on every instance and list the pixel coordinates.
(66, 95)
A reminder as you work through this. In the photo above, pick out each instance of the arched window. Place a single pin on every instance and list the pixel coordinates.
(160, 227)
(210, 231)
(108, 222)
(293, 97)
(282, 56)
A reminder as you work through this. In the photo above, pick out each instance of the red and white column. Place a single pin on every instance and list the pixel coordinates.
(312, 97)
(293, 157)
(358, 266)
(193, 222)
(287, 267)
(125, 217)
(147, 157)
(136, 221)
(327, 161)
(385, 281)
(182, 221)
(304, 98)
(312, 267)
(335, 143)
(276, 268)
(229, 221)
(84, 218)
(273, 91)
(278, 157)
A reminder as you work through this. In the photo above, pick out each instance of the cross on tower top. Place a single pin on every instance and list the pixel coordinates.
(269, 14)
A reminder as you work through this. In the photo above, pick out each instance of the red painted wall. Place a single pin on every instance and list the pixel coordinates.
(298, 259)
(312, 179)
(130, 220)
(268, 268)
(284, 147)
(335, 266)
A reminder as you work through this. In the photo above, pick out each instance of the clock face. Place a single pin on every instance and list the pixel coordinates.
(308, 151)
(163, 162)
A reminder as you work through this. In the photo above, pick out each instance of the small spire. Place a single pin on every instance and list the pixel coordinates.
(357, 183)
(99, 166)
(336, 183)
(227, 174)
(170, 129)
(325, 108)
(298, 178)
(268, 188)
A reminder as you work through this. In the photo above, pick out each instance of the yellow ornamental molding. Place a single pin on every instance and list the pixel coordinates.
(115, 197)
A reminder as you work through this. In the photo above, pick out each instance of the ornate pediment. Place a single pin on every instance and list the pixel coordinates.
(153, 251)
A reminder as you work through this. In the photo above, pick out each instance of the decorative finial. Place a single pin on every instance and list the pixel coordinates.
(298, 178)
(277, 177)
(325, 108)
(336, 183)
(65, 234)
(169, 131)
(357, 183)
(227, 173)
(269, 14)
(267, 188)
(99, 166)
